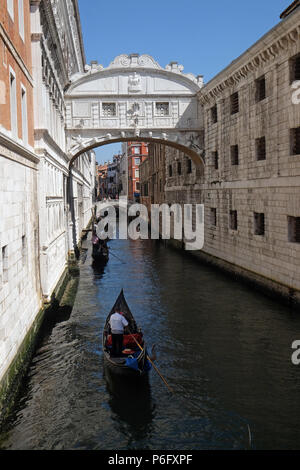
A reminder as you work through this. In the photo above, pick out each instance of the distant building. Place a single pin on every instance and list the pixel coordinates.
(134, 153)
(102, 180)
(153, 177)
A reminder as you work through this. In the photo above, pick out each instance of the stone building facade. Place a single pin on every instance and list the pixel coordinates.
(153, 176)
(251, 180)
(20, 297)
(58, 53)
(41, 217)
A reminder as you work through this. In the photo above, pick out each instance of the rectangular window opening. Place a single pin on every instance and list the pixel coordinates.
(214, 114)
(215, 156)
(233, 220)
(260, 145)
(234, 154)
(295, 141)
(109, 109)
(162, 109)
(213, 216)
(294, 229)
(259, 223)
(234, 103)
(295, 68)
(260, 89)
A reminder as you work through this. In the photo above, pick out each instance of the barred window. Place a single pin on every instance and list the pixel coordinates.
(233, 220)
(234, 103)
(213, 216)
(260, 89)
(234, 154)
(294, 229)
(295, 141)
(215, 156)
(109, 109)
(260, 145)
(295, 68)
(162, 109)
(214, 114)
(259, 223)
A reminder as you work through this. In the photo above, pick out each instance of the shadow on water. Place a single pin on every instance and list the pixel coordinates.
(131, 404)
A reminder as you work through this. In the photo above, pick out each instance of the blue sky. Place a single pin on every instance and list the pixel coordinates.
(203, 36)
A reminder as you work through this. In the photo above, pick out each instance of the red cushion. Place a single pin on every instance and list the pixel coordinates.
(128, 341)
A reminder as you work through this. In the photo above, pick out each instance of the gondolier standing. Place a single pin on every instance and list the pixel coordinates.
(117, 323)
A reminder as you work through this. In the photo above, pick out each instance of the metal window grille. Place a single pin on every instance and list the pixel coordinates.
(234, 103)
(213, 216)
(234, 155)
(260, 89)
(109, 109)
(261, 148)
(295, 68)
(162, 109)
(259, 223)
(294, 229)
(233, 220)
(295, 141)
(216, 159)
(214, 114)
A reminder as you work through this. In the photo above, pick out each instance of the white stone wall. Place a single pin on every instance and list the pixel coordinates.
(20, 297)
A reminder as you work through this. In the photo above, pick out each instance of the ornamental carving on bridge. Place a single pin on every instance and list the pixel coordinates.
(144, 100)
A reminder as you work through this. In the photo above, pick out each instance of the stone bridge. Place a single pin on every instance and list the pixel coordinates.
(134, 98)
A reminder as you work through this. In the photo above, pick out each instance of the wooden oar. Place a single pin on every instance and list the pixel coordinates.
(110, 250)
(161, 376)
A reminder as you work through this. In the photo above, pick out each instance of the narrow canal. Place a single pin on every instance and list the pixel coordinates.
(224, 349)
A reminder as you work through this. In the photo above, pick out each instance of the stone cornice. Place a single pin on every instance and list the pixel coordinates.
(15, 54)
(16, 151)
(284, 35)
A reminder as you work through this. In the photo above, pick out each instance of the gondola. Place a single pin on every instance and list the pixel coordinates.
(100, 252)
(133, 362)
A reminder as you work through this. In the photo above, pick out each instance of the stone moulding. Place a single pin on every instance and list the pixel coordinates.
(279, 39)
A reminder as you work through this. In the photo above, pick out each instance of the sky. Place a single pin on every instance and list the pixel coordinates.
(203, 36)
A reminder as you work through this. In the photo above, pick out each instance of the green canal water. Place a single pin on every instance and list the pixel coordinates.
(224, 349)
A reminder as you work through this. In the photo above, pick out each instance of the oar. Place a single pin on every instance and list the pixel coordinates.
(161, 376)
(124, 262)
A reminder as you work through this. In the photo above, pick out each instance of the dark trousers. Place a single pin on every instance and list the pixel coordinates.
(117, 345)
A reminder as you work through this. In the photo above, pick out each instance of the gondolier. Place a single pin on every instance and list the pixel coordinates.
(117, 323)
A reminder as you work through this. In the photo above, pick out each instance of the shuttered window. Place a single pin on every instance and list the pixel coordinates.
(294, 229)
(234, 103)
(260, 148)
(295, 141)
(234, 154)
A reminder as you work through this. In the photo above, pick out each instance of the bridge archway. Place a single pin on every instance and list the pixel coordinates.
(134, 99)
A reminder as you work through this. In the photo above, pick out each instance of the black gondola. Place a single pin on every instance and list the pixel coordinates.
(133, 362)
(100, 252)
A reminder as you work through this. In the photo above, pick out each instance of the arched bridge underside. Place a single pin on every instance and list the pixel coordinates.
(134, 99)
